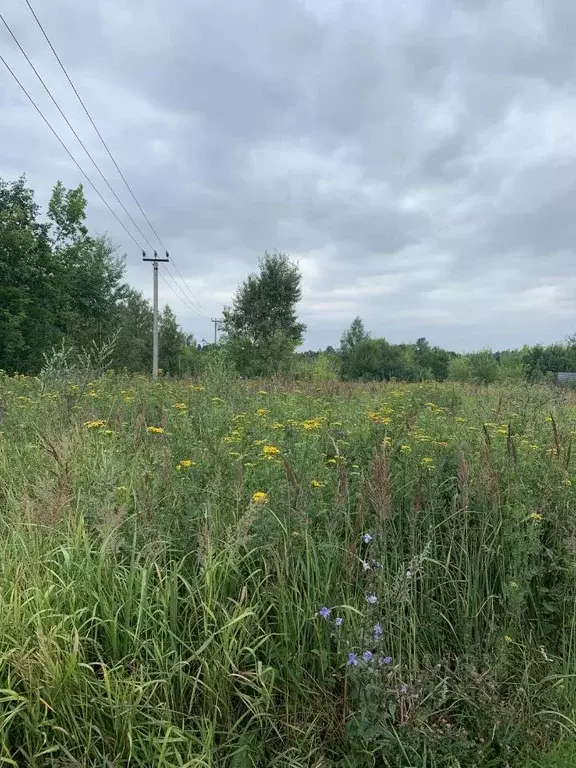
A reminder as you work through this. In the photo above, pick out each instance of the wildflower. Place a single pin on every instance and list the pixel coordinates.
(536, 516)
(180, 406)
(406, 449)
(324, 612)
(567, 482)
(408, 574)
(513, 585)
(121, 488)
(316, 484)
(367, 656)
(508, 639)
(377, 631)
(262, 412)
(339, 621)
(387, 660)
(365, 565)
(185, 464)
(270, 450)
(371, 598)
(403, 689)
(367, 538)
(277, 425)
(262, 392)
(95, 424)
(427, 460)
(108, 432)
(259, 497)
(155, 430)
(352, 660)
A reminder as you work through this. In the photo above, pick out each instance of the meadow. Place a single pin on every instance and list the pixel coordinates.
(230, 574)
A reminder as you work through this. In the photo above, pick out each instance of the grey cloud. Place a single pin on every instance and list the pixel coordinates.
(417, 159)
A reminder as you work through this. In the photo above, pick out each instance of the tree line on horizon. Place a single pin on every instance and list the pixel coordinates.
(61, 285)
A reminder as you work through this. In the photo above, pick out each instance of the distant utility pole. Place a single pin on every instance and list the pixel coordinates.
(155, 261)
(216, 321)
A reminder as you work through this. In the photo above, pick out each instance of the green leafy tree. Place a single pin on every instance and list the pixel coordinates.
(171, 341)
(349, 342)
(27, 281)
(133, 348)
(262, 328)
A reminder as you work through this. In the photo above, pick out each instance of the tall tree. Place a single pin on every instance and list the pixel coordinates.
(349, 342)
(27, 285)
(262, 327)
(171, 341)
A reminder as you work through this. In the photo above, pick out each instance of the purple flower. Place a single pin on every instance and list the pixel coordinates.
(352, 660)
(404, 688)
(371, 598)
(377, 631)
(367, 538)
(367, 655)
(324, 612)
(387, 660)
(339, 620)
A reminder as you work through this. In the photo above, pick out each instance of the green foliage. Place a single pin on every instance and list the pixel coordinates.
(60, 287)
(262, 328)
(154, 613)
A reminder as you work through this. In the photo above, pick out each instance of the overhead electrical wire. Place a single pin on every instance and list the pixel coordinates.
(193, 299)
(173, 288)
(70, 155)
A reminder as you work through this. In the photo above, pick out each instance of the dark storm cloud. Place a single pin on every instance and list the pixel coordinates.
(418, 160)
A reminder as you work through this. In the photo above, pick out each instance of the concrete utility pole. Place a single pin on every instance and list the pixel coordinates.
(216, 322)
(155, 261)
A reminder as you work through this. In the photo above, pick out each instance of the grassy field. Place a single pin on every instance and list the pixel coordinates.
(219, 574)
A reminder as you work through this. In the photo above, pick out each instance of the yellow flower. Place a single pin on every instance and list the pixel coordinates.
(262, 392)
(508, 639)
(180, 406)
(121, 488)
(536, 516)
(259, 497)
(185, 464)
(460, 420)
(270, 450)
(316, 484)
(108, 432)
(277, 425)
(155, 430)
(313, 423)
(95, 424)
(262, 412)
(406, 449)
(567, 482)
(427, 460)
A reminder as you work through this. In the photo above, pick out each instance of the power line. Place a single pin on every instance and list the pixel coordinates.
(94, 163)
(179, 294)
(70, 155)
(194, 299)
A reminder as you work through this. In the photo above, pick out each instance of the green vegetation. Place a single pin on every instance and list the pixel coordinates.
(176, 557)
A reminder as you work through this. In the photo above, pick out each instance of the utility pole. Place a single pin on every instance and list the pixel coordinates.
(155, 261)
(216, 321)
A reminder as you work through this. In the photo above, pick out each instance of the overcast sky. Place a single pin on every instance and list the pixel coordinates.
(416, 157)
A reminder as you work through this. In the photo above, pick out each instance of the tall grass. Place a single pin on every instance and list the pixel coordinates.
(153, 614)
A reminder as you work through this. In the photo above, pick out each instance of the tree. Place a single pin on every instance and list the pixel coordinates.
(261, 327)
(170, 342)
(349, 342)
(27, 284)
(133, 318)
